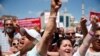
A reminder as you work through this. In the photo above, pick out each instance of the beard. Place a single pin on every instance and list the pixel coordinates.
(9, 30)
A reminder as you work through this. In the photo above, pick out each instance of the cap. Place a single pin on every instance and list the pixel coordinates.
(33, 33)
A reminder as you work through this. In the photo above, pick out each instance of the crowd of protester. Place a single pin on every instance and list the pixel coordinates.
(53, 41)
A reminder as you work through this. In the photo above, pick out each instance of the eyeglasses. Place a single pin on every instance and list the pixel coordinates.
(70, 33)
(8, 24)
(13, 44)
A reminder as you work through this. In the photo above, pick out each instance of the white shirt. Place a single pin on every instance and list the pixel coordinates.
(4, 41)
(88, 53)
(33, 52)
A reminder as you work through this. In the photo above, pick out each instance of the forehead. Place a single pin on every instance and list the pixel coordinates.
(70, 30)
(64, 42)
(15, 40)
(8, 21)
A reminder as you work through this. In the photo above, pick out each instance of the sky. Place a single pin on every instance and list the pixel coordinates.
(33, 8)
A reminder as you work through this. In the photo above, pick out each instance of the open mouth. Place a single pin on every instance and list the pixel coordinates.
(21, 42)
(67, 51)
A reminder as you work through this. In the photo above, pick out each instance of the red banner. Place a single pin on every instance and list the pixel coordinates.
(30, 22)
(96, 14)
(1, 25)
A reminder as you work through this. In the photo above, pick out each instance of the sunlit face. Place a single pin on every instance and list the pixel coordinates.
(96, 41)
(70, 33)
(66, 47)
(15, 45)
(9, 27)
(23, 42)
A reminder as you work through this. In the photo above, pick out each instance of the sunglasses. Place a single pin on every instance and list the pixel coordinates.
(13, 44)
(70, 33)
(8, 24)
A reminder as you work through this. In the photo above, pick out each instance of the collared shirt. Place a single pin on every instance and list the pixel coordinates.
(4, 41)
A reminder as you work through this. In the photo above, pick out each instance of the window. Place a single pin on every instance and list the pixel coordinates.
(61, 19)
(67, 21)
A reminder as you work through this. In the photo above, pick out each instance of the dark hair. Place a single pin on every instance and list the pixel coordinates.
(59, 42)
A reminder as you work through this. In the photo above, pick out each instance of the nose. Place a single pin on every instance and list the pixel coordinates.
(16, 46)
(70, 34)
(68, 47)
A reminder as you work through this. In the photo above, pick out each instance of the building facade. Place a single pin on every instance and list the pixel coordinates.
(64, 19)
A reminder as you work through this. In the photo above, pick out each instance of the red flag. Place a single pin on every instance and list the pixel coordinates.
(95, 14)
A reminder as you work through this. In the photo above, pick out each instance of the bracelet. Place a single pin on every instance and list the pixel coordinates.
(91, 33)
(52, 16)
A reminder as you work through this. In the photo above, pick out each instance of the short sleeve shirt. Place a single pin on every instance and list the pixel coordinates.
(88, 53)
(33, 52)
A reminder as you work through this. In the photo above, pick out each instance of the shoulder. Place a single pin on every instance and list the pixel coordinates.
(77, 53)
(92, 53)
(33, 52)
